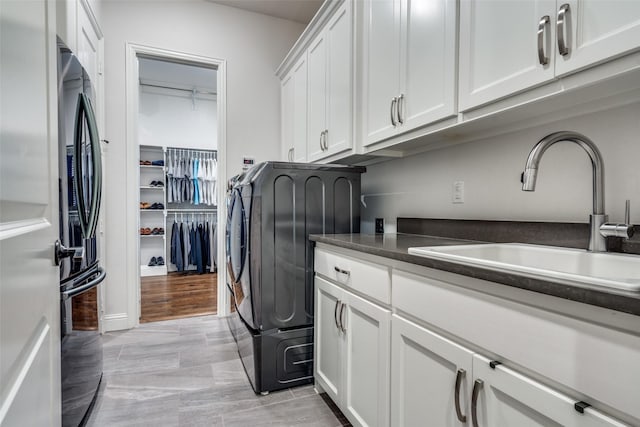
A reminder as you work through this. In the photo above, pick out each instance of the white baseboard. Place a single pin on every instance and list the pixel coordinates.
(116, 322)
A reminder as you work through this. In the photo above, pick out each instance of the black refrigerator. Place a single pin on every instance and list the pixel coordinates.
(80, 194)
(272, 209)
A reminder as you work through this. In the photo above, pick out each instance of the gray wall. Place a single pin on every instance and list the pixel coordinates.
(421, 185)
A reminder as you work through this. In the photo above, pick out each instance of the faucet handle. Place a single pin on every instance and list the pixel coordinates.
(625, 230)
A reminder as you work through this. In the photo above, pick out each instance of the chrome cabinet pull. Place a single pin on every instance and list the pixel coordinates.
(321, 146)
(342, 327)
(394, 102)
(326, 139)
(477, 386)
(459, 377)
(339, 270)
(562, 15)
(542, 27)
(335, 313)
(400, 109)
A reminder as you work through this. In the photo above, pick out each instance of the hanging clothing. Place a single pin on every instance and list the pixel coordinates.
(191, 176)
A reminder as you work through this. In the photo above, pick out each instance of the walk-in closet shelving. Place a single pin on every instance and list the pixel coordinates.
(152, 204)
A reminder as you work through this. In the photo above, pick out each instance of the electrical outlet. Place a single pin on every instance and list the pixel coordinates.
(458, 192)
(379, 225)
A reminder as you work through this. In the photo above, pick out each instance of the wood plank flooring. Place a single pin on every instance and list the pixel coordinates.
(84, 311)
(178, 295)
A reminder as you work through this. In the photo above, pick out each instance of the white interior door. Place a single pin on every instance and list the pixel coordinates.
(29, 293)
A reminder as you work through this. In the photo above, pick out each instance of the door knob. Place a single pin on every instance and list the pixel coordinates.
(60, 252)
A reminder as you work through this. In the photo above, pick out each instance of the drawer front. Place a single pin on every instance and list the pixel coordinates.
(370, 279)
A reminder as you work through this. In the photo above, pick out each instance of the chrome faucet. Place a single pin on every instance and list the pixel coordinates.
(599, 229)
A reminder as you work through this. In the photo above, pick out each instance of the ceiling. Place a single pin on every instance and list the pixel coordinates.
(294, 10)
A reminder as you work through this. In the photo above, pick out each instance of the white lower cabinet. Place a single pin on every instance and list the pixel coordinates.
(352, 359)
(399, 348)
(504, 397)
(435, 381)
(430, 377)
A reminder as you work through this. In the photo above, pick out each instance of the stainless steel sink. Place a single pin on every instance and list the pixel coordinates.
(570, 266)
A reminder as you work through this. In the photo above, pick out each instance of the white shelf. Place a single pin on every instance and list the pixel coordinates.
(152, 167)
(157, 270)
(152, 235)
(148, 187)
(151, 210)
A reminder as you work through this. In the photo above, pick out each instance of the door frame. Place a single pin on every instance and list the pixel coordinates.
(132, 243)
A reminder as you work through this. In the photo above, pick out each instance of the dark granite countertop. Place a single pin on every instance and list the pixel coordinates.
(395, 246)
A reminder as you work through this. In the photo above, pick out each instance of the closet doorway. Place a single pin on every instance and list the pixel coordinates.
(179, 184)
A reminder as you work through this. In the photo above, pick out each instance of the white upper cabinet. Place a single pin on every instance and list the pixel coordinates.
(88, 39)
(316, 101)
(509, 47)
(409, 65)
(294, 113)
(329, 88)
(499, 48)
(596, 30)
(380, 68)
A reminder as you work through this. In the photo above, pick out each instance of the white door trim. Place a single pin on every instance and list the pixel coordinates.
(132, 242)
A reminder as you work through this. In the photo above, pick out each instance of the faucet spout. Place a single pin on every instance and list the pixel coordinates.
(596, 241)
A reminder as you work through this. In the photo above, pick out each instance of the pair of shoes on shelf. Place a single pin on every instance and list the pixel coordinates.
(145, 162)
(146, 205)
(156, 184)
(157, 163)
(145, 231)
(156, 261)
(157, 231)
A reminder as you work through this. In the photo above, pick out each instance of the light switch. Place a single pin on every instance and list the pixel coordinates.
(458, 192)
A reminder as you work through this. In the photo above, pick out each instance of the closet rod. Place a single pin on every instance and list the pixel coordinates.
(201, 92)
(208, 211)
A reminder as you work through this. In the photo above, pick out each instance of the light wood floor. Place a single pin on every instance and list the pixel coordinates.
(178, 295)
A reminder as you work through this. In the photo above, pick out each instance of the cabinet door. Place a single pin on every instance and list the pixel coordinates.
(366, 396)
(380, 67)
(597, 30)
(499, 50)
(425, 369)
(508, 398)
(316, 101)
(339, 86)
(428, 61)
(286, 120)
(87, 43)
(300, 110)
(328, 338)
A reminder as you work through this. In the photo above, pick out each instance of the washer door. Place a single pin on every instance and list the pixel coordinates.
(237, 237)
